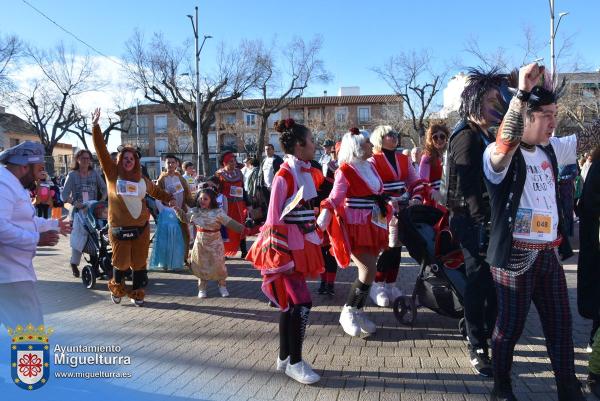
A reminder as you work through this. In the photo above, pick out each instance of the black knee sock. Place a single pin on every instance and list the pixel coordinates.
(298, 321)
(118, 275)
(243, 246)
(140, 279)
(284, 329)
(358, 294)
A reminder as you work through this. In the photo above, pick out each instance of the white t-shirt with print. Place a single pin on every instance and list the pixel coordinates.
(268, 172)
(537, 215)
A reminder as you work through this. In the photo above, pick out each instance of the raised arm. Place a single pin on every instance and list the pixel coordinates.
(108, 166)
(511, 130)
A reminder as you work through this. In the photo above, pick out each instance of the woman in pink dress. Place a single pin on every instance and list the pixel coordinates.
(288, 248)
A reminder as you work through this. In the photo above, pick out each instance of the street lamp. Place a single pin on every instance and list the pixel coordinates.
(553, 31)
(198, 94)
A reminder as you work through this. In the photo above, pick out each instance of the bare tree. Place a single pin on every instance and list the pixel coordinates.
(82, 130)
(156, 68)
(49, 105)
(10, 49)
(578, 107)
(412, 78)
(284, 74)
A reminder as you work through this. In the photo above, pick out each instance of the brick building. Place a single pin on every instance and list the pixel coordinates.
(158, 131)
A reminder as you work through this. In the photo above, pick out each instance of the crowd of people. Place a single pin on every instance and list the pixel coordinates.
(512, 191)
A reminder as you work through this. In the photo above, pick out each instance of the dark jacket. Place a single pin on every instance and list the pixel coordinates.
(466, 187)
(588, 267)
(504, 200)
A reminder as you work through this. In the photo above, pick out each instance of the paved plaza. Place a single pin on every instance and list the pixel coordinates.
(225, 348)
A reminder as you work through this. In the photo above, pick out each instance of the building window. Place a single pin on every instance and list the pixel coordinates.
(181, 126)
(274, 117)
(250, 120)
(341, 115)
(143, 126)
(297, 115)
(229, 118)
(364, 114)
(315, 115)
(160, 145)
(160, 124)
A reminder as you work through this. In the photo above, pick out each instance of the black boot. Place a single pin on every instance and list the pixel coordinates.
(594, 384)
(569, 390)
(75, 270)
(502, 390)
(322, 288)
(330, 289)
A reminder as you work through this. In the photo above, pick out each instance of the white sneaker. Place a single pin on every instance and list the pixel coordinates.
(302, 373)
(378, 295)
(223, 291)
(366, 326)
(202, 294)
(281, 365)
(393, 292)
(349, 321)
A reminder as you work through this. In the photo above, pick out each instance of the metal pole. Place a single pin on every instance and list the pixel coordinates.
(552, 34)
(198, 122)
(137, 123)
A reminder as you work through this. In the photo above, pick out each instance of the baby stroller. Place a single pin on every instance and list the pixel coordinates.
(441, 281)
(97, 247)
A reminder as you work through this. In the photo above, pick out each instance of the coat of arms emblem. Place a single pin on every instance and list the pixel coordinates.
(30, 356)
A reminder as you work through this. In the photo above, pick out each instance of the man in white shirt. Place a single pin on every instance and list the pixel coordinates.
(270, 165)
(20, 233)
(527, 226)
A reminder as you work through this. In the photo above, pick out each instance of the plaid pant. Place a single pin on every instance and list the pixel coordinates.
(545, 284)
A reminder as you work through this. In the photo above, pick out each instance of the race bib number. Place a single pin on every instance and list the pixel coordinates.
(177, 188)
(533, 224)
(377, 218)
(127, 188)
(236, 192)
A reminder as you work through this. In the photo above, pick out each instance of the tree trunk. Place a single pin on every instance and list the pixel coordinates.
(49, 149)
(262, 133)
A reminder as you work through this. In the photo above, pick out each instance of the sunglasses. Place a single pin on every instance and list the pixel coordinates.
(436, 137)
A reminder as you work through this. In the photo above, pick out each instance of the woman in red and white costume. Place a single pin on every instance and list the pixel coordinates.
(401, 182)
(288, 248)
(431, 168)
(232, 188)
(356, 217)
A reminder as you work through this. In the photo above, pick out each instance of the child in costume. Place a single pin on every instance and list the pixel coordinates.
(169, 244)
(208, 253)
(356, 216)
(44, 196)
(288, 248)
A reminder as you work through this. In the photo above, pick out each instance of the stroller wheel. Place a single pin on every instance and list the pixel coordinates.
(88, 277)
(405, 310)
(116, 300)
(462, 327)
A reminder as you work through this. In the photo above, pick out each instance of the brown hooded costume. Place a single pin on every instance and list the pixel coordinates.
(127, 211)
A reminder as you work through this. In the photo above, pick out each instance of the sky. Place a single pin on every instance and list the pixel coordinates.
(357, 35)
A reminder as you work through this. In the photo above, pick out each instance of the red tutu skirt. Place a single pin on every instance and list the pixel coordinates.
(367, 238)
(271, 251)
